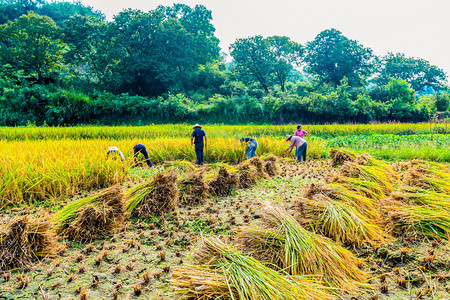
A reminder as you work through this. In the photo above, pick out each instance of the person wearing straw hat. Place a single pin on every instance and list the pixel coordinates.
(300, 145)
(198, 139)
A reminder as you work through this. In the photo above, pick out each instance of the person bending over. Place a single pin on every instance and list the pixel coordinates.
(251, 147)
(300, 145)
(140, 149)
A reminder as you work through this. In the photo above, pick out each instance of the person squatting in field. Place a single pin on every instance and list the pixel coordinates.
(140, 149)
(199, 139)
(300, 144)
(251, 147)
(300, 132)
(114, 151)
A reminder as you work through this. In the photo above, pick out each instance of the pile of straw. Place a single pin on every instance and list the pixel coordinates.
(92, 217)
(271, 164)
(26, 239)
(248, 175)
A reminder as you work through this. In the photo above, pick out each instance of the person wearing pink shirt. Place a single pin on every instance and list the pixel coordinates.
(300, 132)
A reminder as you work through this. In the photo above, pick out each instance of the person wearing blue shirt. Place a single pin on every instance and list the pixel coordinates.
(140, 149)
(251, 148)
(198, 139)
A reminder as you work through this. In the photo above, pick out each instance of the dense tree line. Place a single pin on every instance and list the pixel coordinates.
(64, 64)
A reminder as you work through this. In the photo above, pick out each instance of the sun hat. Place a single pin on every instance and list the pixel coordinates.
(197, 126)
(288, 137)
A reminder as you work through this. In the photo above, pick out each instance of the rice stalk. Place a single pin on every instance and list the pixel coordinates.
(223, 266)
(291, 247)
(94, 216)
(339, 221)
(156, 197)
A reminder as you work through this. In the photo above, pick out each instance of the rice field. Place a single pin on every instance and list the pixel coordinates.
(344, 225)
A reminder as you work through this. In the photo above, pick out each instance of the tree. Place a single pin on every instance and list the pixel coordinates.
(266, 60)
(419, 73)
(90, 42)
(332, 56)
(32, 43)
(160, 50)
(285, 54)
(253, 58)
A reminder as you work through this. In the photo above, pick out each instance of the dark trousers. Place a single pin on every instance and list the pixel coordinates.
(199, 153)
(141, 149)
(301, 152)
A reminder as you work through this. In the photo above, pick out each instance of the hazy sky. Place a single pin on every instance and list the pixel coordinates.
(417, 28)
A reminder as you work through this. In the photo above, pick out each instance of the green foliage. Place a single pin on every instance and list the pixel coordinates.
(419, 73)
(332, 56)
(443, 101)
(32, 43)
(266, 60)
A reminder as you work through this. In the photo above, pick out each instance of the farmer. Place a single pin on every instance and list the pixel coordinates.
(197, 138)
(300, 144)
(251, 148)
(113, 150)
(140, 148)
(300, 132)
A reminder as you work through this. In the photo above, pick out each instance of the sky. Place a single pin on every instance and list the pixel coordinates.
(417, 28)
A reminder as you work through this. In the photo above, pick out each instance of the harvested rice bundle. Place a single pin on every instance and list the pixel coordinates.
(156, 197)
(93, 216)
(368, 173)
(271, 164)
(417, 221)
(227, 273)
(339, 221)
(339, 156)
(223, 184)
(192, 188)
(427, 176)
(338, 192)
(180, 166)
(248, 175)
(301, 252)
(366, 188)
(418, 196)
(259, 164)
(26, 239)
